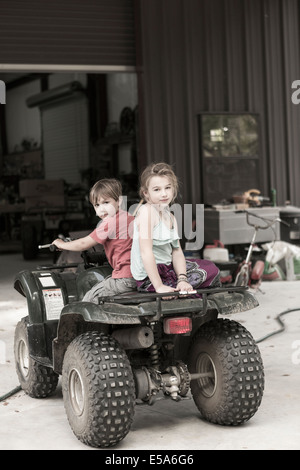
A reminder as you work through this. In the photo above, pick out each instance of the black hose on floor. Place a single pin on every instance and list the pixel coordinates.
(9, 394)
(278, 318)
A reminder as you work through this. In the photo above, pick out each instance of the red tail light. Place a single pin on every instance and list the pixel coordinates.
(177, 325)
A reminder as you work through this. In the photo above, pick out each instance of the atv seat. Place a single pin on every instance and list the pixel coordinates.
(88, 278)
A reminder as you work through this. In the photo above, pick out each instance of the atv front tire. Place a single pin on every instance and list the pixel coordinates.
(98, 389)
(230, 388)
(36, 380)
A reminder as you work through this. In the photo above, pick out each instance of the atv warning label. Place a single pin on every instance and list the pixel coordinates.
(54, 303)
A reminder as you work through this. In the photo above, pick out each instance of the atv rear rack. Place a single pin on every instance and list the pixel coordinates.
(132, 298)
(140, 297)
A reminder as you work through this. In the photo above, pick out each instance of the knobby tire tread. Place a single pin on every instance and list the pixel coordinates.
(111, 391)
(242, 372)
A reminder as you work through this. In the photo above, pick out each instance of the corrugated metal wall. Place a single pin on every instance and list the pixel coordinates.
(221, 55)
(90, 32)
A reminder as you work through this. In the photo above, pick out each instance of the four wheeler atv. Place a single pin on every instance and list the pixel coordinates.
(131, 348)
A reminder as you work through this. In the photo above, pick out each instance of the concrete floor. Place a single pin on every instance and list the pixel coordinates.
(28, 423)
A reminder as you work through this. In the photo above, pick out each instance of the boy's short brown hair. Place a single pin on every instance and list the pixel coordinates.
(107, 187)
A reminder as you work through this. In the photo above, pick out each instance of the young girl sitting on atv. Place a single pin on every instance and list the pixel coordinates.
(157, 260)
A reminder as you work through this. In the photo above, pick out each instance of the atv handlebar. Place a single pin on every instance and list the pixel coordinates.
(54, 247)
(90, 259)
(50, 246)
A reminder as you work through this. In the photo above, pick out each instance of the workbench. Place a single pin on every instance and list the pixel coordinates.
(231, 228)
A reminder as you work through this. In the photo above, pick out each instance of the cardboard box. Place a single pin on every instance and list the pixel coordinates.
(41, 188)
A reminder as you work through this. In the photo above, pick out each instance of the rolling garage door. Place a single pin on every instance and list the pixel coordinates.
(65, 131)
(66, 139)
(73, 32)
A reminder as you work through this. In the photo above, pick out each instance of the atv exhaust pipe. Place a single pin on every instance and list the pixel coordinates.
(140, 337)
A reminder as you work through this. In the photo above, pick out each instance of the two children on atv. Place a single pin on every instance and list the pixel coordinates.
(144, 251)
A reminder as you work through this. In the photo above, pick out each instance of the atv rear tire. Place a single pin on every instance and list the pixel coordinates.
(232, 383)
(98, 389)
(36, 380)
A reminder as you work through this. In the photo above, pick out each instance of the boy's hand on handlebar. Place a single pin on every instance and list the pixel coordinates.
(58, 243)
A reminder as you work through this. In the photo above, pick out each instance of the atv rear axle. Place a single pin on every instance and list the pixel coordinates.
(175, 382)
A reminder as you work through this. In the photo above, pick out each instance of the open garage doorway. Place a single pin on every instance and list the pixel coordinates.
(76, 127)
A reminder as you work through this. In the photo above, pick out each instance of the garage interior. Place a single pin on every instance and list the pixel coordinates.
(60, 134)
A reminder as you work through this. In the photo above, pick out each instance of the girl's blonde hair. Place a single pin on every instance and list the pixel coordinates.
(157, 169)
(108, 187)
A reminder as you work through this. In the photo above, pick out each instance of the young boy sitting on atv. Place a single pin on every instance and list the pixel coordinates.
(113, 232)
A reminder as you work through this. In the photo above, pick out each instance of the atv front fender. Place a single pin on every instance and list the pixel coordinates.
(42, 322)
(35, 285)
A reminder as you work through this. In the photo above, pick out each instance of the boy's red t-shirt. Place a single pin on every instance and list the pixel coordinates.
(115, 234)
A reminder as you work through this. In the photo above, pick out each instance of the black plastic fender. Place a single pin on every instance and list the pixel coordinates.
(45, 293)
